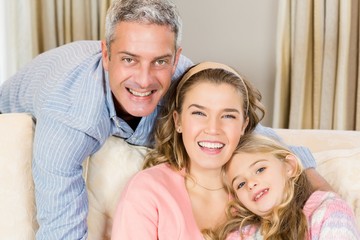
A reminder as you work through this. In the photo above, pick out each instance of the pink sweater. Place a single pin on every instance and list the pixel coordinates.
(329, 217)
(155, 205)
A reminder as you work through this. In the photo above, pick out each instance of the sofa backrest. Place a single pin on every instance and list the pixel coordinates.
(106, 172)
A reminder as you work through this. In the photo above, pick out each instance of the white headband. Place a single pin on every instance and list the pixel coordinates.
(212, 65)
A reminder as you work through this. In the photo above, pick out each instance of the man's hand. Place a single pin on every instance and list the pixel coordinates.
(317, 181)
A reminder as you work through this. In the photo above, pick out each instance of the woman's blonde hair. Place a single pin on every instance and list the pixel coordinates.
(287, 221)
(169, 147)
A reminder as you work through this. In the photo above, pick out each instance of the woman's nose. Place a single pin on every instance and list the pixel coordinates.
(213, 126)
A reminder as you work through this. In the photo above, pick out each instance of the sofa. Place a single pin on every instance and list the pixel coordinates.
(337, 154)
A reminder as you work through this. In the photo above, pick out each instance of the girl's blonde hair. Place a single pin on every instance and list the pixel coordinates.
(287, 221)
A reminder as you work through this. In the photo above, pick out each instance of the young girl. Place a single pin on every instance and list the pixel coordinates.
(272, 198)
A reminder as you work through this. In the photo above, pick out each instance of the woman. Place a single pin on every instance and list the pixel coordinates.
(210, 109)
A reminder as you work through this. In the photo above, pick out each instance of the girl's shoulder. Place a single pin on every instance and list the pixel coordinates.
(249, 232)
(330, 217)
(323, 200)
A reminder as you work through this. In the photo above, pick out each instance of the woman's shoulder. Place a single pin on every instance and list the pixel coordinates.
(161, 174)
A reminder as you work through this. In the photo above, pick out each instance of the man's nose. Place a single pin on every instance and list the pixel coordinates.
(145, 76)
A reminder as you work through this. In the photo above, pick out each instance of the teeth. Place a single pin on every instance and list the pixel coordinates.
(139, 94)
(211, 145)
(260, 194)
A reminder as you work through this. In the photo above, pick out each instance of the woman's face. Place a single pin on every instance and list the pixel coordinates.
(211, 124)
(259, 180)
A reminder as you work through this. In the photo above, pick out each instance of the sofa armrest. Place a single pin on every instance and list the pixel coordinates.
(17, 201)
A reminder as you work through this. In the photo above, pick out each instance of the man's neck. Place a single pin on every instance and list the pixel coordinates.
(131, 120)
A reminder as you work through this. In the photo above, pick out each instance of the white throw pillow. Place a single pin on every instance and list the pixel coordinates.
(109, 169)
(341, 168)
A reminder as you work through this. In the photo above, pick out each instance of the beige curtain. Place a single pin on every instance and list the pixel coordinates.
(17, 44)
(317, 75)
(35, 26)
(62, 21)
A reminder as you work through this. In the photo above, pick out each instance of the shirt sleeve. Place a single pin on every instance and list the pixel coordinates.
(183, 64)
(305, 155)
(60, 192)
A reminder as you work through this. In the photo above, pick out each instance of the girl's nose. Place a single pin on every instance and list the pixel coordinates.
(252, 185)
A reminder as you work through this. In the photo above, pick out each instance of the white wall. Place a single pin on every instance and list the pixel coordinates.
(240, 33)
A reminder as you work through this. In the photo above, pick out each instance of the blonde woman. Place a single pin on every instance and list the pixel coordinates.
(180, 194)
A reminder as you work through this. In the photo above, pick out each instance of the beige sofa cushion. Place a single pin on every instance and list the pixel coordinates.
(341, 168)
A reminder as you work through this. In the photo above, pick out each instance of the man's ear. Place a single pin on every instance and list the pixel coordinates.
(105, 55)
(291, 165)
(177, 57)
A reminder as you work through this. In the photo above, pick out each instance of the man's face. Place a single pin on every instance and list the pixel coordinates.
(140, 65)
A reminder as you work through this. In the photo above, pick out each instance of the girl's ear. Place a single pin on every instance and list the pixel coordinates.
(291, 165)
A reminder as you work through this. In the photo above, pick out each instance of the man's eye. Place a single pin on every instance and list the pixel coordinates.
(161, 62)
(260, 170)
(240, 185)
(128, 60)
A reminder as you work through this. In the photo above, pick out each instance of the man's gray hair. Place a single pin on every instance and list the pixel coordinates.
(160, 12)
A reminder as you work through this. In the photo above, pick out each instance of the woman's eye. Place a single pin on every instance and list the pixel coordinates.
(198, 113)
(229, 116)
(260, 170)
(240, 185)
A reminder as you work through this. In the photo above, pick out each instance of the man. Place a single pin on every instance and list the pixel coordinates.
(84, 92)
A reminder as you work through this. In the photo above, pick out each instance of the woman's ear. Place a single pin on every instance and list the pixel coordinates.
(177, 123)
(245, 124)
(291, 165)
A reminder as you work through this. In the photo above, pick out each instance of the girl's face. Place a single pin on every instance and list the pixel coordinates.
(259, 180)
(211, 124)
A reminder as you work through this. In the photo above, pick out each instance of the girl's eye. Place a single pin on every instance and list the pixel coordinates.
(260, 170)
(240, 185)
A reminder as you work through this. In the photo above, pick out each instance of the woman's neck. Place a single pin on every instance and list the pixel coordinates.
(208, 179)
(208, 197)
